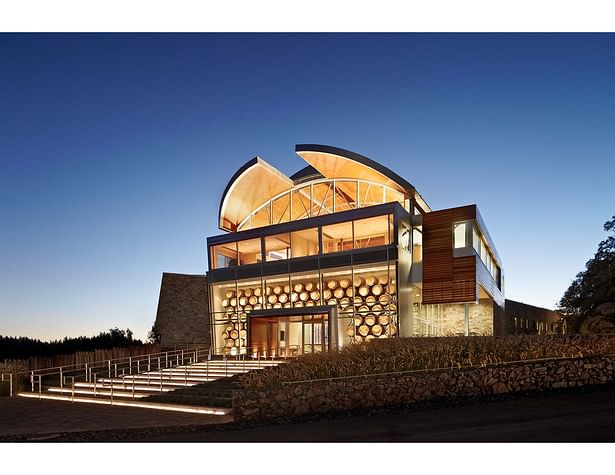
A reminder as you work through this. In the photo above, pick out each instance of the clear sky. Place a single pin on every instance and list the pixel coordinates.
(115, 150)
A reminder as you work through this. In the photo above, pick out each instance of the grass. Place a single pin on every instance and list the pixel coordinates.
(405, 354)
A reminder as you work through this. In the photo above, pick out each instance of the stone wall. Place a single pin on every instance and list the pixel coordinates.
(409, 387)
(183, 310)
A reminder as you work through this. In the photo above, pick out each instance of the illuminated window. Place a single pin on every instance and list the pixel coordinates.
(417, 245)
(304, 243)
(460, 235)
(277, 247)
(371, 232)
(476, 240)
(249, 251)
(224, 255)
(337, 237)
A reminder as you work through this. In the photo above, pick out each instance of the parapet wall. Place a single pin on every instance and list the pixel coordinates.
(405, 388)
(183, 310)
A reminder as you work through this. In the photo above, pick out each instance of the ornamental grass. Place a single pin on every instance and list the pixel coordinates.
(408, 354)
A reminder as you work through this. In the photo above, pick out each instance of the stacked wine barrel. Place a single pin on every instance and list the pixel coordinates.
(375, 303)
(372, 298)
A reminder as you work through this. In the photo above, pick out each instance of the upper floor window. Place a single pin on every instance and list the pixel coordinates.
(460, 235)
(249, 251)
(277, 247)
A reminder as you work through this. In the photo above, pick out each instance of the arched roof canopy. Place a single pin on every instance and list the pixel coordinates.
(333, 162)
(253, 184)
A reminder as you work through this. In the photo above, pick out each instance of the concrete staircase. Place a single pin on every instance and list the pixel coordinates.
(204, 387)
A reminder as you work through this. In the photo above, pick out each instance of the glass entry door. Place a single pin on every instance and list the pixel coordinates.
(288, 335)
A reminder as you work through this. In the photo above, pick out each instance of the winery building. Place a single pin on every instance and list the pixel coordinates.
(342, 252)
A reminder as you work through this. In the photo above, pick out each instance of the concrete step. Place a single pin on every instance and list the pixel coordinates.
(218, 411)
(100, 392)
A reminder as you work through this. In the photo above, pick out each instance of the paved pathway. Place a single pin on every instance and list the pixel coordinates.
(31, 416)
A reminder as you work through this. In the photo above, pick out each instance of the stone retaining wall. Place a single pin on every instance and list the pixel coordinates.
(404, 388)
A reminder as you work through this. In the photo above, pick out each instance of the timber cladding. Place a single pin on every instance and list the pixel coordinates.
(446, 279)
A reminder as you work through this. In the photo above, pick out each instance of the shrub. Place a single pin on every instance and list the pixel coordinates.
(406, 354)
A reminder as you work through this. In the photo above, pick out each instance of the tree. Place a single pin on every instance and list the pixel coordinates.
(594, 287)
(154, 336)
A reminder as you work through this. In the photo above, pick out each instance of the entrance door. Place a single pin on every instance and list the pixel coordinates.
(288, 335)
(314, 334)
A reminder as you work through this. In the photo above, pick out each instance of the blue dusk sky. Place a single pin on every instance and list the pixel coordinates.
(115, 150)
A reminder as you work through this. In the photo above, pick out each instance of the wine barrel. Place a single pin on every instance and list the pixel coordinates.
(247, 292)
(304, 296)
(225, 335)
(243, 316)
(261, 300)
(332, 284)
(234, 333)
(383, 279)
(358, 321)
(237, 343)
(288, 305)
(243, 333)
(294, 296)
(344, 302)
(349, 291)
(344, 283)
(310, 303)
(370, 319)
(393, 306)
(332, 302)
(258, 306)
(277, 305)
(371, 280)
(283, 298)
(225, 303)
(272, 299)
(358, 339)
(309, 286)
(298, 287)
(327, 294)
(377, 330)
(392, 288)
(229, 327)
(252, 300)
(377, 308)
(230, 294)
(229, 343)
(364, 291)
(258, 291)
(315, 295)
(243, 301)
(363, 330)
(350, 331)
(358, 300)
(383, 299)
(233, 302)
(338, 293)
(299, 304)
(267, 290)
(248, 308)
(277, 290)
(392, 330)
(287, 289)
(369, 337)
(363, 309)
(377, 290)
(358, 281)
(370, 300)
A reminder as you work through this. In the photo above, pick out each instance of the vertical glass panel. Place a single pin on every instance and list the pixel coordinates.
(280, 209)
(345, 195)
(375, 302)
(249, 251)
(302, 203)
(224, 255)
(304, 242)
(459, 235)
(370, 194)
(476, 240)
(262, 218)
(277, 247)
(371, 232)
(337, 237)
(391, 195)
(322, 199)
(405, 238)
(417, 244)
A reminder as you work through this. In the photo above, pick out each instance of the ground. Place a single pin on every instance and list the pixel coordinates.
(573, 415)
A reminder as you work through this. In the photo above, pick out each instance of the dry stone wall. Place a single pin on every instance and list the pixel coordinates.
(406, 388)
(183, 310)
